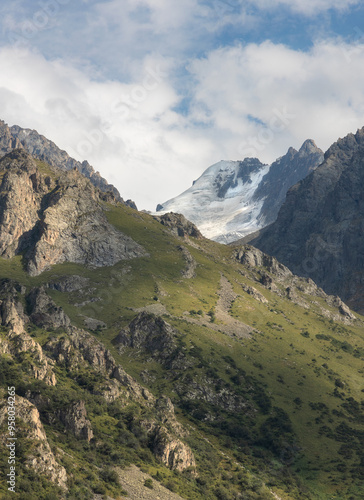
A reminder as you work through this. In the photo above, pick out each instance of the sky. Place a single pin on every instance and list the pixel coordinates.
(153, 92)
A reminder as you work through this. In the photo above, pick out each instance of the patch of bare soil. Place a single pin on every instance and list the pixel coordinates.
(231, 326)
(132, 480)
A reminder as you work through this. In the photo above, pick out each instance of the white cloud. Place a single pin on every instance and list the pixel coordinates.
(243, 89)
(245, 100)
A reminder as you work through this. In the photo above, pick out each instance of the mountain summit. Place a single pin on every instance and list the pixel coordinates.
(234, 198)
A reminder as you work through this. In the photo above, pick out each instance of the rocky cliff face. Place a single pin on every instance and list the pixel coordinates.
(7, 141)
(44, 312)
(41, 458)
(42, 148)
(172, 451)
(11, 310)
(284, 173)
(17, 341)
(21, 193)
(74, 418)
(320, 230)
(55, 217)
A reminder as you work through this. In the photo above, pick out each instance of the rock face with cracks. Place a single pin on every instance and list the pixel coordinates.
(319, 232)
(55, 218)
(74, 418)
(41, 459)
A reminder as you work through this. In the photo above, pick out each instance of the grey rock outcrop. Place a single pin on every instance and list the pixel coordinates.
(69, 283)
(151, 334)
(80, 349)
(250, 290)
(320, 228)
(172, 451)
(41, 459)
(44, 312)
(17, 340)
(179, 225)
(165, 443)
(190, 269)
(55, 219)
(252, 257)
(41, 367)
(205, 390)
(93, 324)
(7, 140)
(74, 418)
(11, 309)
(148, 332)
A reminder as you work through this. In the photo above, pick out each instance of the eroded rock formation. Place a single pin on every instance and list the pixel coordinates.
(41, 458)
(55, 217)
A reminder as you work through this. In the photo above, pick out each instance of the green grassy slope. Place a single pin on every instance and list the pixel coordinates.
(300, 374)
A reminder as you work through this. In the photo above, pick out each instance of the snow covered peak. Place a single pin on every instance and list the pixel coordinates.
(223, 193)
(234, 198)
(221, 180)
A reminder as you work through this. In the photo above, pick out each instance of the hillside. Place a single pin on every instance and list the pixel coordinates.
(213, 370)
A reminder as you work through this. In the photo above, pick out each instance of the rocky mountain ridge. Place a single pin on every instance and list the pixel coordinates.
(43, 149)
(319, 230)
(284, 173)
(232, 199)
(274, 274)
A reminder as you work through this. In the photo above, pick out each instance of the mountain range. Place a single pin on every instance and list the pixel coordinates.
(150, 362)
(232, 199)
(306, 209)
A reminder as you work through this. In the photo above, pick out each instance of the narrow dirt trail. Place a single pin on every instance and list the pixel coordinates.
(231, 326)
